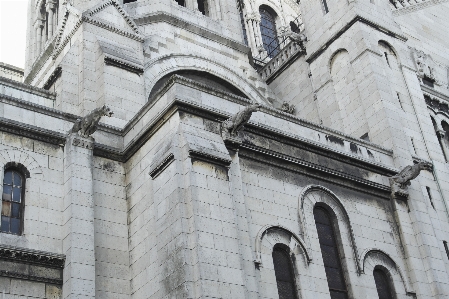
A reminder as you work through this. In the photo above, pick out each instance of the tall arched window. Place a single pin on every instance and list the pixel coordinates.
(12, 202)
(382, 284)
(203, 7)
(283, 270)
(268, 31)
(330, 253)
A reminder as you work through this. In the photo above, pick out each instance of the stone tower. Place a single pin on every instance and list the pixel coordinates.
(228, 149)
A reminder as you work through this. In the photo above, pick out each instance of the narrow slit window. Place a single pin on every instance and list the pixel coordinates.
(181, 2)
(326, 9)
(331, 255)
(430, 197)
(283, 270)
(399, 99)
(386, 58)
(12, 203)
(446, 248)
(413, 145)
(128, 1)
(382, 284)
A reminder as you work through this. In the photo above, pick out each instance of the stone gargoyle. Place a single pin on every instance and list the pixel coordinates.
(399, 182)
(231, 127)
(298, 38)
(87, 125)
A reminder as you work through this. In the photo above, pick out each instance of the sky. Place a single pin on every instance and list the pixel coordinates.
(13, 22)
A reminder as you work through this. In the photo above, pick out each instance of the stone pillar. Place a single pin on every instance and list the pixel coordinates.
(50, 8)
(251, 37)
(78, 243)
(38, 37)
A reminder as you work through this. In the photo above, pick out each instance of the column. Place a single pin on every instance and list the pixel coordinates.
(251, 37)
(78, 243)
(38, 25)
(50, 8)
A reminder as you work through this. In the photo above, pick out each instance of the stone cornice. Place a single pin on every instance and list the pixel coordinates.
(434, 93)
(34, 257)
(11, 68)
(202, 156)
(161, 16)
(111, 27)
(32, 132)
(417, 6)
(123, 64)
(27, 88)
(345, 28)
(320, 172)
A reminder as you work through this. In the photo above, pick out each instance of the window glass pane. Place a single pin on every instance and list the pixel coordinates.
(17, 179)
(7, 179)
(269, 34)
(330, 254)
(382, 284)
(7, 192)
(15, 210)
(6, 208)
(16, 194)
(5, 224)
(15, 226)
(284, 274)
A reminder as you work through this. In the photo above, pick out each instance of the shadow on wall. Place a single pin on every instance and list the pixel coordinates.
(200, 77)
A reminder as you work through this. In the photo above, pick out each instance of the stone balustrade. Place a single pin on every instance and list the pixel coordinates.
(276, 63)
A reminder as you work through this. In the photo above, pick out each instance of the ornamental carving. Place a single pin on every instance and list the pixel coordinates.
(288, 108)
(400, 182)
(87, 125)
(231, 127)
(31, 257)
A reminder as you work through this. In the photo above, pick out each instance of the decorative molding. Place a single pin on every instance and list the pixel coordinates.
(417, 6)
(345, 28)
(162, 165)
(32, 257)
(32, 132)
(120, 63)
(96, 9)
(320, 172)
(27, 88)
(264, 230)
(40, 62)
(173, 20)
(82, 142)
(53, 77)
(209, 158)
(10, 274)
(111, 27)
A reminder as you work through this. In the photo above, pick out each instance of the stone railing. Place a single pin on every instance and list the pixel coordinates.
(276, 63)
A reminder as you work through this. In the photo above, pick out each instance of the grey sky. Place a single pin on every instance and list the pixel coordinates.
(13, 19)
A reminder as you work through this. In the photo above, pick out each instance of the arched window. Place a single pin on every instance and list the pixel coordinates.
(382, 284)
(12, 202)
(268, 30)
(283, 270)
(330, 253)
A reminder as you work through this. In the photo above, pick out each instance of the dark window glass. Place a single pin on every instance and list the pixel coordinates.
(128, 1)
(382, 284)
(331, 256)
(269, 34)
(181, 2)
(12, 203)
(202, 7)
(284, 274)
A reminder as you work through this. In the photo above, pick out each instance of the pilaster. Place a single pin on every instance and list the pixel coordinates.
(78, 242)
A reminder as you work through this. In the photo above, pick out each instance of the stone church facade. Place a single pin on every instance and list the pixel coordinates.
(227, 149)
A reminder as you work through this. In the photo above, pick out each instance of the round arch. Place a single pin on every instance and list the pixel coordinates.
(22, 161)
(316, 194)
(174, 62)
(292, 236)
(373, 258)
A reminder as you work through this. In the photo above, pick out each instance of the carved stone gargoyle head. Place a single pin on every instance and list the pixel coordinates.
(401, 181)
